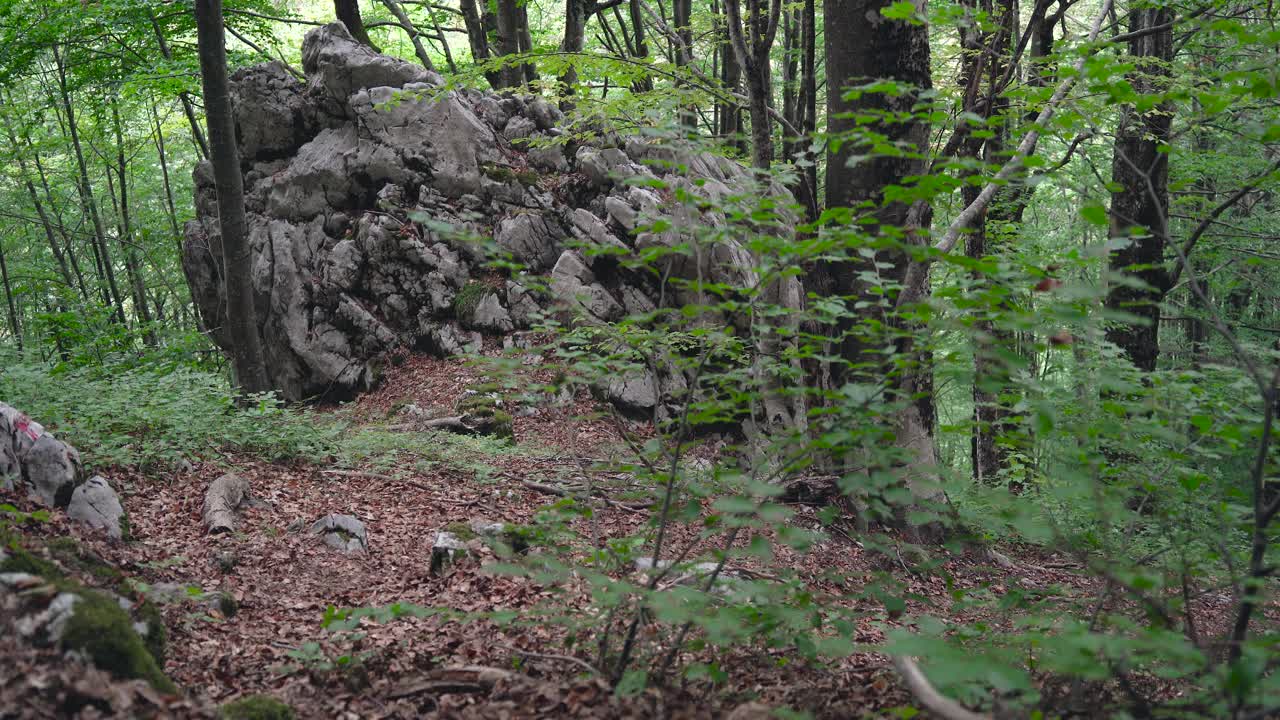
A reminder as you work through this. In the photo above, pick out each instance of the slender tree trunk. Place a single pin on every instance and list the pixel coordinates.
(479, 27)
(141, 307)
(509, 41)
(638, 41)
(731, 127)
(197, 135)
(85, 188)
(682, 16)
(808, 106)
(402, 18)
(14, 328)
(525, 36)
(242, 325)
(984, 66)
(1140, 205)
(45, 222)
(348, 13)
(576, 13)
(760, 27)
(168, 187)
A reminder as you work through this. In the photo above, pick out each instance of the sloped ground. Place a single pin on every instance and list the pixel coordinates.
(282, 581)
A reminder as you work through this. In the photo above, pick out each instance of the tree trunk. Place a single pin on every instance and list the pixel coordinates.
(14, 328)
(45, 222)
(863, 46)
(412, 31)
(575, 39)
(731, 128)
(529, 70)
(141, 307)
(168, 186)
(509, 41)
(760, 27)
(85, 189)
(983, 67)
(242, 325)
(197, 135)
(348, 13)
(1140, 205)
(638, 41)
(682, 17)
(479, 27)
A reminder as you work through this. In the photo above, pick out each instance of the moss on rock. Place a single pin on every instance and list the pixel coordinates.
(460, 530)
(69, 552)
(256, 707)
(157, 634)
(465, 302)
(101, 630)
(24, 561)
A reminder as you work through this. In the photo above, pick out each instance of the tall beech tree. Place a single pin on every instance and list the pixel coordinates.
(241, 319)
(862, 47)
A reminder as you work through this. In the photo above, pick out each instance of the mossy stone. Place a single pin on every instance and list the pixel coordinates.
(69, 552)
(157, 634)
(461, 530)
(102, 631)
(23, 561)
(256, 707)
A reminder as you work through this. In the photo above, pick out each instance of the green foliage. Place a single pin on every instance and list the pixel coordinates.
(158, 417)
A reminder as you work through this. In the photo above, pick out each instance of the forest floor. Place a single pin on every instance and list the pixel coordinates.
(282, 581)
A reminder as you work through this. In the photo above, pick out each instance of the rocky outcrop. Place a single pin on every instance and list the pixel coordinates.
(33, 460)
(375, 195)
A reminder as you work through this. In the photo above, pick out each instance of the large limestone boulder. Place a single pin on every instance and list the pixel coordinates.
(32, 459)
(375, 196)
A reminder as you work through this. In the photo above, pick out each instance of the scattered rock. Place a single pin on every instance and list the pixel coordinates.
(342, 532)
(96, 504)
(48, 468)
(447, 549)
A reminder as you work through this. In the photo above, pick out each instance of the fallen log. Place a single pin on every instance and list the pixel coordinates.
(222, 500)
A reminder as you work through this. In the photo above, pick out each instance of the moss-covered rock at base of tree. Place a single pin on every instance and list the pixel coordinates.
(256, 707)
(103, 632)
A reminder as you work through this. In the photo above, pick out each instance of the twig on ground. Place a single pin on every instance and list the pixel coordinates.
(933, 701)
(553, 656)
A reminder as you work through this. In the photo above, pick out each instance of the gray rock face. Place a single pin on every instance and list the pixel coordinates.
(368, 185)
(32, 458)
(342, 532)
(96, 504)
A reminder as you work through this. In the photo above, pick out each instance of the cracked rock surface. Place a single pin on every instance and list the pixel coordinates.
(96, 504)
(374, 195)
